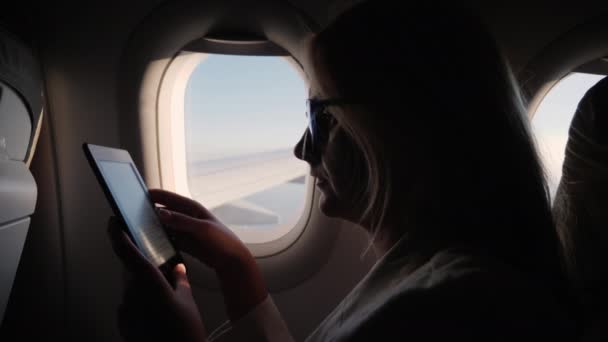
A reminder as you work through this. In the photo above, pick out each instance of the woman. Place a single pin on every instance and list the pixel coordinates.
(418, 134)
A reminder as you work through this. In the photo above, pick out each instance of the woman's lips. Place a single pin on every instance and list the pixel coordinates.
(320, 181)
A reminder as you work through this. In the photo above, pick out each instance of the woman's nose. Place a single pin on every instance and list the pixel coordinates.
(298, 150)
(302, 150)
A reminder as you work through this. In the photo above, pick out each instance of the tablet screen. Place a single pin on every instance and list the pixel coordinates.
(130, 196)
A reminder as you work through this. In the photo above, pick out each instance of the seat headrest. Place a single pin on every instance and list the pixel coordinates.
(587, 147)
(581, 202)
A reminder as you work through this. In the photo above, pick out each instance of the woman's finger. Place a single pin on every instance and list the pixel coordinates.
(186, 243)
(182, 285)
(203, 234)
(179, 222)
(180, 204)
(187, 232)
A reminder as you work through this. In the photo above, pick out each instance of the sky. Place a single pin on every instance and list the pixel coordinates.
(552, 120)
(238, 105)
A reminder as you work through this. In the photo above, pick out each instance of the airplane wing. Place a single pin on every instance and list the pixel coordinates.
(222, 181)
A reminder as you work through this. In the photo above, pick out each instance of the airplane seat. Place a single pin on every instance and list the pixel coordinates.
(580, 210)
(20, 115)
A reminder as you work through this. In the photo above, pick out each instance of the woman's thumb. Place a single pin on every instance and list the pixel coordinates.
(180, 278)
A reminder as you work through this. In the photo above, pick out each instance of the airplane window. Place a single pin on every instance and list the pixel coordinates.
(552, 121)
(243, 115)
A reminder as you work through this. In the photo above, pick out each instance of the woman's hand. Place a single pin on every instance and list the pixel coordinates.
(151, 307)
(197, 232)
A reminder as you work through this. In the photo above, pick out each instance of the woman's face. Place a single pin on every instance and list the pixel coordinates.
(335, 166)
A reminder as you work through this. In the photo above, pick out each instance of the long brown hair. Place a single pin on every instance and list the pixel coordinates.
(440, 121)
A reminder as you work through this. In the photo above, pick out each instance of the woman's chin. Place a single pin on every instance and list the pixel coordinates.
(327, 205)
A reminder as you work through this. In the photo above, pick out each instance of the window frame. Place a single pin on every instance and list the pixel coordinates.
(171, 145)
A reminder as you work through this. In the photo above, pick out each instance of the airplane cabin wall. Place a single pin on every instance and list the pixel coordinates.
(40, 263)
(523, 28)
(79, 49)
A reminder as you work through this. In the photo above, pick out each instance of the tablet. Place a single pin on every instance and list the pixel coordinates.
(128, 195)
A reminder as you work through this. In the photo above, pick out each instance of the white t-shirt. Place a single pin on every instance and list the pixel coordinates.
(453, 295)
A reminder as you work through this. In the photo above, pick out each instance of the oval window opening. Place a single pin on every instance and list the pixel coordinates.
(242, 117)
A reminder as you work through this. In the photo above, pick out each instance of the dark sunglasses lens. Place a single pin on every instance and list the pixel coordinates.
(312, 122)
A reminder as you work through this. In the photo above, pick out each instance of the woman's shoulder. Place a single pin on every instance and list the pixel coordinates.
(455, 294)
(467, 270)
(459, 293)
(481, 282)
(454, 268)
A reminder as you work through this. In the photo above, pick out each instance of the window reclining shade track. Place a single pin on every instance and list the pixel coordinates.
(20, 115)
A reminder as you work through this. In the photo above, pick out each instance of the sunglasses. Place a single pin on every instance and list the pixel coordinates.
(320, 122)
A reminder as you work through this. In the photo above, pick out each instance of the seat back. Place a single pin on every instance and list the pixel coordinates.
(20, 115)
(581, 208)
